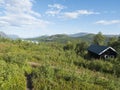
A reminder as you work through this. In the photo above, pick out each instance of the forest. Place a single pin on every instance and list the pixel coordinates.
(57, 66)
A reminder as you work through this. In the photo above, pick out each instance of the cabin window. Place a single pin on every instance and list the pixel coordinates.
(106, 56)
(112, 56)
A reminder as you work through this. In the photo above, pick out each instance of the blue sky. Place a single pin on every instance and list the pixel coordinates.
(32, 18)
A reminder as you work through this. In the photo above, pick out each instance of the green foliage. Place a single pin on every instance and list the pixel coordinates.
(112, 40)
(52, 68)
(81, 48)
(68, 46)
(56, 79)
(11, 77)
(99, 39)
(116, 45)
(100, 65)
(17, 58)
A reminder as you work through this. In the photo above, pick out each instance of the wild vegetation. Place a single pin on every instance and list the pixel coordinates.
(57, 66)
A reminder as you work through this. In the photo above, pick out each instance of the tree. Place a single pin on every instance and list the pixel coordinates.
(112, 40)
(68, 46)
(99, 39)
(81, 48)
(119, 38)
(116, 44)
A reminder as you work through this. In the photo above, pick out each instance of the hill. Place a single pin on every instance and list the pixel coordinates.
(78, 34)
(2, 34)
(88, 37)
(62, 38)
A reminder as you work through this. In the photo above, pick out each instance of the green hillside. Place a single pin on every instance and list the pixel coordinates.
(63, 38)
(47, 66)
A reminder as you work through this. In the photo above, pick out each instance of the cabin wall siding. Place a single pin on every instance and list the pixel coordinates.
(109, 54)
(93, 55)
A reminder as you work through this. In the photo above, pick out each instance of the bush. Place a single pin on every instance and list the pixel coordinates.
(11, 77)
(102, 66)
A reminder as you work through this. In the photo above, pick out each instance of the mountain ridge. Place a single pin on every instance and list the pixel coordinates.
(68, 37)
(58, 37)
(11, 36)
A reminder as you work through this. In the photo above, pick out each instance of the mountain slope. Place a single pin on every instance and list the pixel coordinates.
(78, 34)
(62, 38)
(2, 34)
(66, 37)
(11, 36)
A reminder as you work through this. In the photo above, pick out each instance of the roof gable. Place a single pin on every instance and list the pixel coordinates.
(99, 49)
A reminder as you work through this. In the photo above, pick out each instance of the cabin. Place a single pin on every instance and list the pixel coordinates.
(101, 52)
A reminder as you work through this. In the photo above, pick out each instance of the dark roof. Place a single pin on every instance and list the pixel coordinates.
(99, 49)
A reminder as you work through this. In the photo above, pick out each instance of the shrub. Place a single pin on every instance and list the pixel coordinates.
(11, 77)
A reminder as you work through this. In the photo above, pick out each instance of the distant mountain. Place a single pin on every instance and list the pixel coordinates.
(2, 34)
(78, 34)
(12, 36)
(53, 38)
(64, 37)
(87, 37)
(111, 35)
(68, 37)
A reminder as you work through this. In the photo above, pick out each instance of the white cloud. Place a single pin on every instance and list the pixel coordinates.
(58, 6)
(19, 13)
(54, 9)
(76, 14)
(105, 22)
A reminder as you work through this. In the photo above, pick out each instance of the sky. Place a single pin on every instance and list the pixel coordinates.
(32, 18)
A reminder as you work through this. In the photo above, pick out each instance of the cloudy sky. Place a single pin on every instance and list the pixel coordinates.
(31, 18)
